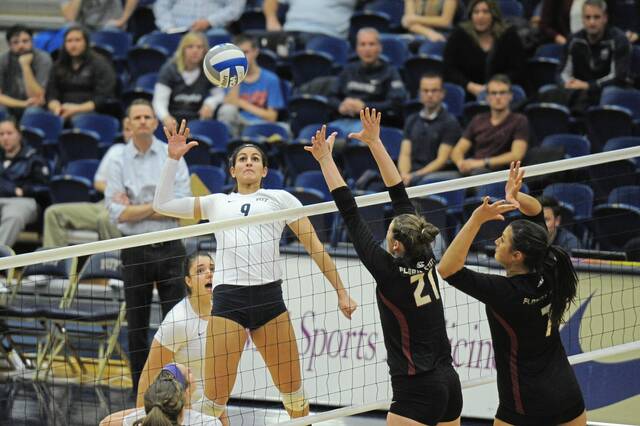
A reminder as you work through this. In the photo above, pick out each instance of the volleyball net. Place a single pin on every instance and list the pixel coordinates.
(63, 317)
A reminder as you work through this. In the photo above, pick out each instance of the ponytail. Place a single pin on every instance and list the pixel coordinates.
(163, 401)
(415, 234)
(558, 272)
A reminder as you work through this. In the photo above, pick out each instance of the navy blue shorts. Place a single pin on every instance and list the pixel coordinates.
(250, 306)
(428, 398)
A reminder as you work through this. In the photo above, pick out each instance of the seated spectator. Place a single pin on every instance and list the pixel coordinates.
(561, 18)
(369, 82)
(81, 80)
(24, 72)
(481, 47)
(495, 138)
(429, 135)
(59, 218)
(557, 236)
(426, 17)
(196, 15)
(21, 170)
(96, 15)
(597, 56)
(257, 99)
(306, 19)
(182, 88)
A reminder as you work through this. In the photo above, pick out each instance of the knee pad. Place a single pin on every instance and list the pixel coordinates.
(209, 407)
(294, 401)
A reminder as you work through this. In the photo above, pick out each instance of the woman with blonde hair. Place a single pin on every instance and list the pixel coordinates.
(182, 91)
(426, 17)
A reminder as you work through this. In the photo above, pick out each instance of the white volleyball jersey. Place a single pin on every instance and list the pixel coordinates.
(248, 255)
(184, 333)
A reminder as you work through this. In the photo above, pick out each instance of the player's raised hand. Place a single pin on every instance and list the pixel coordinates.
(514, 183)
(370, 132)
(321, 145)
(177, 140)
(346, 304)
(491, 211)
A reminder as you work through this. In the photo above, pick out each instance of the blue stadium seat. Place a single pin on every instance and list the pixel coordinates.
(32, 136)
(577, 195)
(215, 130)
(297, 160)
(573, 145)
(82, 168)
(542, 71)
(357, 159)
(70, 189)
(76, 144)
(395, 49)
(550, 51)
(625, 98)
(105, 126)
(166, 41)
(393, 9)
(267, 131)
(454, 99)
(511, 8)
(432, 48)
(268, 59)
(607, 122)
(218, 37)
(49, 123)
(146, 59)
(626, 194)
(213, 177)
(200, 154)
(546, 119)
(615, 225)
(392, 139)
(335, 47)
(119, 42)
(273, 180)
(307, 65)
(315, 180)
(308, 109)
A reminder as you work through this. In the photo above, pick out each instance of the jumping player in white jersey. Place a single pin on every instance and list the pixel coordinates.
(247, 292)
(182, 335)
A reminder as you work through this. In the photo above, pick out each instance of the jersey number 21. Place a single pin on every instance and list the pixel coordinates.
(417, 294)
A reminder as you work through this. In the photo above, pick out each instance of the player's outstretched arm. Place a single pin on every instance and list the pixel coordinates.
(164, 201)
(322, 148)
(370, 135)
(527, 204)
(454, 258)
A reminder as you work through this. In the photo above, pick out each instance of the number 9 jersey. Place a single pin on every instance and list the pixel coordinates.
(248, 255)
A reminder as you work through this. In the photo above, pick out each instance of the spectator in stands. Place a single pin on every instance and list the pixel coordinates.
(306, 19)
(21, 170)
(196, 15)
(131, 184)
(369, 82)
(182, 90)
(96, 15)
(24, 72)
(597, 56)
(429, 135)
(257, 99)
(427, 17)
(481, 47)
(557, 236)
(59, 218)
(81, 80)
(561, 18)
(496, 138)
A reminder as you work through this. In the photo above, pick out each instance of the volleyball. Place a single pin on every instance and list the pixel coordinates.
(225, 65)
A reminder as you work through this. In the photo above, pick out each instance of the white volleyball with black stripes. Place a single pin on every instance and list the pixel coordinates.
(225, 65)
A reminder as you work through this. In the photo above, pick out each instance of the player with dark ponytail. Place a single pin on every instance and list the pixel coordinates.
(536, 384)
(426, 388)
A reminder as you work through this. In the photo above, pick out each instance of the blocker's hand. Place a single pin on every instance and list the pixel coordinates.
(177, 140)
(491, 211)
(370, 133)
(321, 146)
(514, 183)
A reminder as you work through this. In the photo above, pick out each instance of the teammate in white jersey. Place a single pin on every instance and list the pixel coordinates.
(247, 291)
(182, 337)
(166, 401)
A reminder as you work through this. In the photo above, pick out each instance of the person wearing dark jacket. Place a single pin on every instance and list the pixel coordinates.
(597, 56)
(369, 82)
(21, 170)
(81, 80)
(481, 47)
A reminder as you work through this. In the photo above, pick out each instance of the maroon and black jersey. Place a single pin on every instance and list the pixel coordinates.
(534, 375)
(408, 295)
